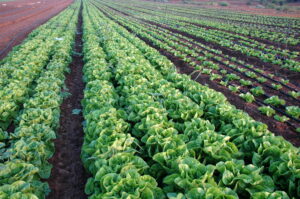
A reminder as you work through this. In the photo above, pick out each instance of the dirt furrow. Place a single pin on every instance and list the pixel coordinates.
(68, 175)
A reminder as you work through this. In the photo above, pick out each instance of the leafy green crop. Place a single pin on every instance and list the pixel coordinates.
(293, 111)
(162, 125)
(275, 101)
(28, 149)
(248, 97)
(257, 91)
(267, 110)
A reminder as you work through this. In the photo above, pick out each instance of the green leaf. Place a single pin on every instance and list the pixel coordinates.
(147, 194)
(76, 111)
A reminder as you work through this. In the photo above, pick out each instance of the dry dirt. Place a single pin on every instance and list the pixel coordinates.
(18, 18)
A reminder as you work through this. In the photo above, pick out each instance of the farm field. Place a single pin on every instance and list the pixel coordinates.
(20, 17)
(139, 99)
(249, 7)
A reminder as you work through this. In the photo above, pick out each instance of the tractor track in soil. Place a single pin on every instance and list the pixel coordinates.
(68, 176)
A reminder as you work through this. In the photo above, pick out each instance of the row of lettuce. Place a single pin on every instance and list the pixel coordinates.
(149, 132)
(153, 133)
(266, 53)
(250, 83)
(232, 16)
(32, 80)
(282, 30)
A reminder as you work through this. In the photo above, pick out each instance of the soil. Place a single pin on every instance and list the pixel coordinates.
(18, 18)
(278, 128)
(68, 176)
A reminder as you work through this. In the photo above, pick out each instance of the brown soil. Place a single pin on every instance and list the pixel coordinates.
(68, 176)
(19, 18)
(278, 128)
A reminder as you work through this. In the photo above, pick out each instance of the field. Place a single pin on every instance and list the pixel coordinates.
(141, 99)
(18, 18)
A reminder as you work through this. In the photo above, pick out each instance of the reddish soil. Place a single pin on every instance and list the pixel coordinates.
(68, 176)
(18, 18)
(278, 128)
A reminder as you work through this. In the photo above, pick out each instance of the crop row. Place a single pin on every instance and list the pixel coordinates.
(153, 133)
(281, 27)
(229, 15)
(249, 86)
(284, 35)
(207, 46)
(245, 46)
(35, 89)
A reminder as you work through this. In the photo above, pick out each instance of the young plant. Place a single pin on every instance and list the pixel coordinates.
(293, 111)
(245, 82)
(262, 79)
(248, 97)
(284, 81)
(267, 110)
(224, 83)
(275, 101)
(215, 76)
(281, 118)
(294, 94)
(257, 91)
(251, 74)
(232, 76)
(276, 86)
(234, 89)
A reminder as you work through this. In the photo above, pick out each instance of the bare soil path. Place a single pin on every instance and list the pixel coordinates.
(18, 18)
(68, 176)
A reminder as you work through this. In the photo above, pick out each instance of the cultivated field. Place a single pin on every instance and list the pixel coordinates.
(18, 18)
(139, 99)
